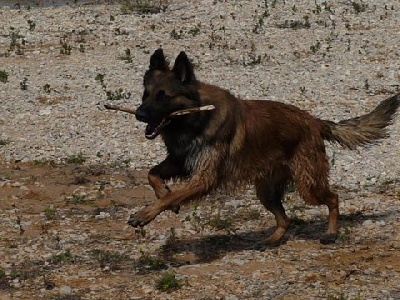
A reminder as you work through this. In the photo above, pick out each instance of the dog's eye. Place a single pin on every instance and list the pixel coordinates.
(145, 95)
(161, 96)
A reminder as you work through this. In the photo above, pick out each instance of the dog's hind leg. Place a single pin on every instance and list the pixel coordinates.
(270, 191)
(310, 170)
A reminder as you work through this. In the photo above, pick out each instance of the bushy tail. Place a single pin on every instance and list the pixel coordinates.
(365, 129)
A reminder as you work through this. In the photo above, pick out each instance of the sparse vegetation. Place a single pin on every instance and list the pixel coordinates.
(47, 88)
(220, 223)
(147, 262)
(65, 47)
(359, 7)
(315, 47)
(16, 41)
(3, 76)
(258, 27)
(76, 159)
(167, 282)
(62, 257)
(175, 34)
(143, 6)
(195, 30)
(50, 213)
(100, 78)
(81, 48)
(23, 84)
(4, 142)
(248, 215)
(79, 199)
(109, 259)
(117, 94)
(127, 57)
(32, 25)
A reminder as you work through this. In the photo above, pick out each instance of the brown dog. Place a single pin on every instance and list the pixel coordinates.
(267, 143)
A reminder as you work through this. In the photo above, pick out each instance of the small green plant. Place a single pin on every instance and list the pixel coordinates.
(117, 94)
(296, 24)
(3, 76)
(65, 47)
(176, 35)
(219, 223)
(16, 41)
(249, 215)
(81, 48)
(100, 78)
(167, 282)
(258, 27)
(4, 142)
(112, 259)
(32, 25)
(195, 30)
(50, 213)
(314, 48)
(39, 162)
(143, 6)
(127, 57)
(79, 199)
(146, 263)
(76, 159)
(253, 59)
(14, 274)
(23, 84)
(118, 31)
(359, 7)
(46, 88)
(62, 257)
(366, 84)
(345, 234)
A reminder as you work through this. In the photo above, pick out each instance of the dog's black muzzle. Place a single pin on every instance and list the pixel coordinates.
(142, 115)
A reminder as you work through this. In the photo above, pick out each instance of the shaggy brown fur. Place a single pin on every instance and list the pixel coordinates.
(266, 143)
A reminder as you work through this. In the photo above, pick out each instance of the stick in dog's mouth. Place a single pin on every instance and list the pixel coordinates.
(174, 114)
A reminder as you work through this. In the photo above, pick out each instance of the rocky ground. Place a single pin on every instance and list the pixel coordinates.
(71, 172)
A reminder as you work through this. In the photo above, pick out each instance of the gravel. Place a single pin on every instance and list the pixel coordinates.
(336, 59)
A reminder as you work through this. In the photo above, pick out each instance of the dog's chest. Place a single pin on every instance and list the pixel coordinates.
(188, 151)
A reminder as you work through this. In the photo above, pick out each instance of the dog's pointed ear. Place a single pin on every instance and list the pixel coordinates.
(183, 68)
(158, 61)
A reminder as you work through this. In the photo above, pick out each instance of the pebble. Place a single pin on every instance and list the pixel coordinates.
(65, 290)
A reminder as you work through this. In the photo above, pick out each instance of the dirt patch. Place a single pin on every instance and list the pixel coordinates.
(64, 236)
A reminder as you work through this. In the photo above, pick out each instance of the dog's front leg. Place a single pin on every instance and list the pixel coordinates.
(197, 187)
(166, 170)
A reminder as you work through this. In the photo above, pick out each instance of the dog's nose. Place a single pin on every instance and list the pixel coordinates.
(142, 115)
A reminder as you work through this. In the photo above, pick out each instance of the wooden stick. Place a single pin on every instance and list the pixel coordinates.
(191, 110)
(174, 114)
(120, 108)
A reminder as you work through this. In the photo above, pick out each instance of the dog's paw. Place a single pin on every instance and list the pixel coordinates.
(143, 217)
(328, 239)
(176, 209)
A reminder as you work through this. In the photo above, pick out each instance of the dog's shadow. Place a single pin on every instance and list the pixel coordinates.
(180, 252)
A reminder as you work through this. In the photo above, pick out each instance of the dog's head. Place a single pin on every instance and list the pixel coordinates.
(166, 91)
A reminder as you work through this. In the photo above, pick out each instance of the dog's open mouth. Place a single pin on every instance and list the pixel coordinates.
(154, 129)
